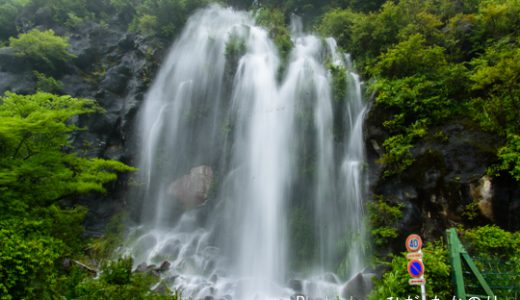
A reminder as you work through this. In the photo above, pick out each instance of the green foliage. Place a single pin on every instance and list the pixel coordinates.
(339, 82)
(102, 248)
(117, 282)
(37, 170)
(497, 103)
(47, 83)
(495, 78)
(35, 131)
(147, 25)
(409, 58)
(492, 241)
(163, 18)
(496, 253)
(394, 282)
(9, 10)
(494, 250)
(301, 239)
(118, 271)
(44, 49)
(26, 264)
(434, 61)
(509, 156)
(398, 156)
(339, 23)
(235, 48)
(383, 218)
(70, 12)
(274, 21)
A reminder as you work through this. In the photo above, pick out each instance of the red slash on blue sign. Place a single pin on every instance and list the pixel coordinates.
(415, 268)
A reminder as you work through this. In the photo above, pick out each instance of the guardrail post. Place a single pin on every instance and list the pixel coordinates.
(457, 254)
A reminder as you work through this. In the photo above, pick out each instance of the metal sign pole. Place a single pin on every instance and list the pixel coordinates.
(423, 285)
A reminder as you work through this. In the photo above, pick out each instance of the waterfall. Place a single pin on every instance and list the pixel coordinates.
(252, 177)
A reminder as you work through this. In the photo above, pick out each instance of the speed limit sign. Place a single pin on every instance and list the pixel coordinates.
(413, 243)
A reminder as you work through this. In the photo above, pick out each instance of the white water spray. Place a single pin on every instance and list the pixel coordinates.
(231, 151)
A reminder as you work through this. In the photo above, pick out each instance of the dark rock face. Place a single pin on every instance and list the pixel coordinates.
(506, 202)
(111, 66)
(441, 183)
(153, 269)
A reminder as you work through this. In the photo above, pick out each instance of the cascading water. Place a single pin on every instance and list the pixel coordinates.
(238, 159)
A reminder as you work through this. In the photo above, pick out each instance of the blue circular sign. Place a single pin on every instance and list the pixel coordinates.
(415, 268)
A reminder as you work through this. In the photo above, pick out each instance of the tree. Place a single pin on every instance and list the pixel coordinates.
(37, 169)
(9, 9)
(43, 49)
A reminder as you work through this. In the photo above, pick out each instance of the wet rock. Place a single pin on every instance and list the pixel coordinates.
(209, 267)
(358, 287)
(163, 267)
(330, 277)
(436, 189)
(116, 79)
(151, 267)
(506, 202)
(20, 83)
(142, 267)
(296, 285)
(66, 264)
(192, 189)
(213, 278)
(10, 62)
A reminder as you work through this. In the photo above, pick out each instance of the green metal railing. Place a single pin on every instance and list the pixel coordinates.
(480, 277)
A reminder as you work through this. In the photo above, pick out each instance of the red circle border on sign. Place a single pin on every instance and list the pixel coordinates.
(407, 243)
(422, 268)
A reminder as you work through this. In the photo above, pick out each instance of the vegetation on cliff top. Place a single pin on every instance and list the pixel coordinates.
(436, 61)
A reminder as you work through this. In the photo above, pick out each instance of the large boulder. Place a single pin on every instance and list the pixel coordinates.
(358, 287)
(482, 194)
(192, 190)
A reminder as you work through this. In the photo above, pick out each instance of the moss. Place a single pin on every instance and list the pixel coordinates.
(301, 232)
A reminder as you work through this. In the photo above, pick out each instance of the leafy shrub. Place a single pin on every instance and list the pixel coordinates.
(102, 248)
(491, 240)
(383, 217)
(47, 83)
(37, 170)
(26, 263)
(72, 12)
(274, 21)
(509, 156)
(117, 282)
(118, 271)
(9, 10)
(496, 253)
(44, 49)
(339, 23)
(163, 18)
(35, 130)
(409, 58)
(394, 282)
